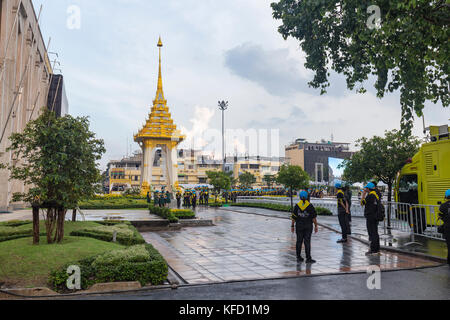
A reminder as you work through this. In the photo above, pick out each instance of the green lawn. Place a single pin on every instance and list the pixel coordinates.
(25, 265)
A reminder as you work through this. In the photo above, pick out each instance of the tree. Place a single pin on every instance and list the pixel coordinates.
(380, 158)
(58, 163)
(407, 51)
(269, 179)
(293, 178)
(219, 180)
(247, 179)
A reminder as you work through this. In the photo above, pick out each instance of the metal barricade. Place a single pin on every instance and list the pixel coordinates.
(417, 219)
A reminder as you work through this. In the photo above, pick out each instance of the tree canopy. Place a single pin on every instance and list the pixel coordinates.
(293, 178)
(407, 50)
(380, 158)
(56, 160)
(247, 180)
(219, 180)
(269, 179)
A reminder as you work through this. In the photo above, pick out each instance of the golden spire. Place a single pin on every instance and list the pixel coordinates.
(160, 92)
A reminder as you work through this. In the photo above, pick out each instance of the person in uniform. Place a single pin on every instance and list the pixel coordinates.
(342, 213)
(194, 199)
(303, 218)
(156, 198)
(168, 199)
(149, 200)
(348, 196)
(370, 200)
(444, 214)
(178, 196)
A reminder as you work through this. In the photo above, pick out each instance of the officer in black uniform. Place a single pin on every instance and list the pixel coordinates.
(178, 199)
(342, 213)
(370, 200)
(348, 196)
(302, 220)
(444, 214)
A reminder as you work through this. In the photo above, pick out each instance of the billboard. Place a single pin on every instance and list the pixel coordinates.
(334, 171)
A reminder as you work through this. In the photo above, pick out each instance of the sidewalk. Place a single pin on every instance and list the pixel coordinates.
(391, 238)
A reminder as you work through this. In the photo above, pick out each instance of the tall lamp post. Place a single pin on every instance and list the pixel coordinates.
(223, 106)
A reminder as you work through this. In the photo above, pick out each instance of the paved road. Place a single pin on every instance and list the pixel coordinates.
(419, 284)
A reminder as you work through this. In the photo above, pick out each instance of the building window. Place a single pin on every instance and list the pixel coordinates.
(202, 180)
(244, 166)
(254, 166)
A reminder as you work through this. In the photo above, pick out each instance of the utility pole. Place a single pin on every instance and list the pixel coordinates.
(223, 106)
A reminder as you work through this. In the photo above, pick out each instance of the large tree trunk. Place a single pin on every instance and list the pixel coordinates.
(74, 215)
(59, 234)
(36, 225)
(50, 224)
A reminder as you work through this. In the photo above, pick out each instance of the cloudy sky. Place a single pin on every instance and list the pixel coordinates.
(213, 50)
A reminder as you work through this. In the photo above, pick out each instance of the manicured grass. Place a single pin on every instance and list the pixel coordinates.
(25, 265)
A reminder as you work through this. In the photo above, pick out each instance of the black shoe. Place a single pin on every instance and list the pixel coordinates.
(310, 261)
(342, 241)
(300, 259)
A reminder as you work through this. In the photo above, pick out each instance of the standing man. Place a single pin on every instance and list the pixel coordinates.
(302, 222)
(444, 214)
(194, 200)
(348, 196)
(149, 200)
(370, 200)
(178, 196)
(343, 212)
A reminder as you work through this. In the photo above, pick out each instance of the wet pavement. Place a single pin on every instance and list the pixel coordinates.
(245, 246)
(389, 238)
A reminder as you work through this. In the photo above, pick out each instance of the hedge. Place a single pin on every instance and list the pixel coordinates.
(183, 213)
(15, 230)
(126, 233)
(164, 213)
(279, 207)
(113, 203)
(141, 263)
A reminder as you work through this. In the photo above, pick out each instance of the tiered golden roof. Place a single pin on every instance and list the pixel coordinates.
(160, 124)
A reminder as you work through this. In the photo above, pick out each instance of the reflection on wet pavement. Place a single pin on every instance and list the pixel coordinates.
(243, 247)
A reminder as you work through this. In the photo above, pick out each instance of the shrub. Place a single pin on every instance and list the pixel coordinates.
(280, 207)
(15, 230)
(141, 263)
(164, 213)
(323, 211)
(183, 213)
(114, 202)
(126, 233)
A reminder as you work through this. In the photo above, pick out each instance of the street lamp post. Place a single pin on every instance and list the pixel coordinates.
(223, 106)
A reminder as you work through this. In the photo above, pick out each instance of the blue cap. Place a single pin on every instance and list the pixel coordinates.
(370, 186)
(447, 194)
(303, 195)
(338, 185)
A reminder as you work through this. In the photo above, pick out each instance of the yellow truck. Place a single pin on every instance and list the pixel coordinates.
(422, 182)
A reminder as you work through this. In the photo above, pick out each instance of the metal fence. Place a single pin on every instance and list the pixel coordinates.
(415, 219)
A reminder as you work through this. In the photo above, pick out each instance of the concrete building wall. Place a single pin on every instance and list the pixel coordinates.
(296, 156)
(24, 80)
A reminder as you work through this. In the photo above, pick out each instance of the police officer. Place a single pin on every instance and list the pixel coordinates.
(370, 200)
(348, 196)
(178, 196)
(343, 212)
(302, 220)
(444, 214)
